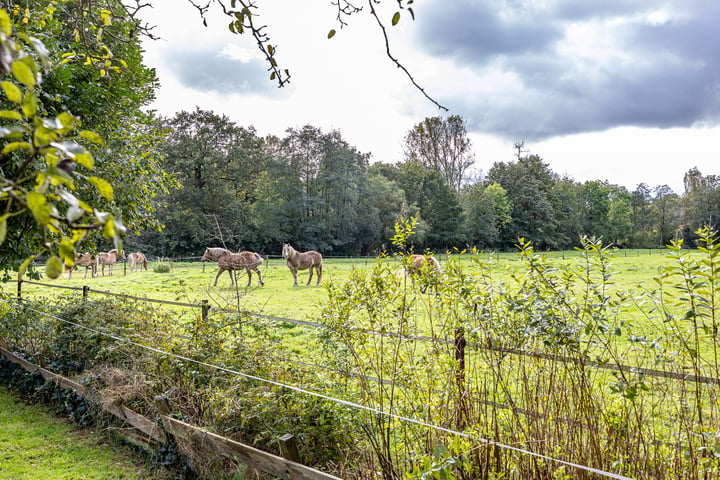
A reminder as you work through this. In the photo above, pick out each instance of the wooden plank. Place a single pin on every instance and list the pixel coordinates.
(145, 425)
(257, 459)
(140, 422)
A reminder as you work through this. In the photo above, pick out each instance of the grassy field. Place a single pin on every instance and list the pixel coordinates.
(192, 282)
(591, 402)
(35, 444)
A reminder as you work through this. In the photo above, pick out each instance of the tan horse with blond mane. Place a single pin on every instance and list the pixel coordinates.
(426, 269)
(109, 259)
(137, 261)
(250, 261)
(85, 260)
(302, 261)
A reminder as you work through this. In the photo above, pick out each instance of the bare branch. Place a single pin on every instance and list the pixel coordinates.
(373, 12)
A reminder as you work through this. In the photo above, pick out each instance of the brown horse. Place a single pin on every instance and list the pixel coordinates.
(302, 261)
(109, 259)
(426, 269)
(85, 260)
(250, 261)
(137, 261)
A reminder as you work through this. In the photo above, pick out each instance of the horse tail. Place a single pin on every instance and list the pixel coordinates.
(318, 267)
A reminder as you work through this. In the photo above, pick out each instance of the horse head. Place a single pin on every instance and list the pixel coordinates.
(287, 249)
(206, 255)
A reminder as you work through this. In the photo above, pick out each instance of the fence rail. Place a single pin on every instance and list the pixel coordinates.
(158, 432)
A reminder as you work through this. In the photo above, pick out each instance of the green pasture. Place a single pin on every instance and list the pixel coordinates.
(192, 282)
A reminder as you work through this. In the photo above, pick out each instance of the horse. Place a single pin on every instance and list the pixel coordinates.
(137, 261)
(229, 261)
(426, 268)
(85, 260)
(213, 253)
(109, 259)
(302, 261)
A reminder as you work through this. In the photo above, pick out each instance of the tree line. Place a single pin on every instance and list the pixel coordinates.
(85, 164)
(314, 189)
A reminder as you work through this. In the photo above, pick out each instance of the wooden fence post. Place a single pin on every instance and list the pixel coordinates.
(205, 310)
(460, 376)
(86, 290)
(19, 290)
(288, 447)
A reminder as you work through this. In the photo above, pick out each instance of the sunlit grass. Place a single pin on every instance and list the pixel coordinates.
(36, 444)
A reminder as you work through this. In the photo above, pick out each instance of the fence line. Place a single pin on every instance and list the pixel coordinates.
(347, 403)
(513, 351)
(158, 431)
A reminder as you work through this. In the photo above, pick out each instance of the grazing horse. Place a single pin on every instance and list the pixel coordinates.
(109, 259)
(302, 261)
(426, 268)
(250, 261)
(137, 261)
(85, 260)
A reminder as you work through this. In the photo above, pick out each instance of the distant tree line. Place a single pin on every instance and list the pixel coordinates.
(317, 191)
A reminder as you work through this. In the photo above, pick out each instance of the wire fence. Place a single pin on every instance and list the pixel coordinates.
(351, 404)
(206, 309)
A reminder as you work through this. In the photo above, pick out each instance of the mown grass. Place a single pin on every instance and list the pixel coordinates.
(35, 444)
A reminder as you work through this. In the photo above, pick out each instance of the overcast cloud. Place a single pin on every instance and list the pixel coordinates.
(625, 91)
(581, 66)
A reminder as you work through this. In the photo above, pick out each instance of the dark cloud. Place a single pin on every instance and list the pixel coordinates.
(669, 75)
(213, 71)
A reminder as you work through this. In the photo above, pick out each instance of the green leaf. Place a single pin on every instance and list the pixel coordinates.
(24, 266)
(23, 73)
(109, 228)
(396, 18)
(5, 23)
(331, 33)
(67, 251)
(103, 187)
(12, 92)
(3, 228)
(29, 105)
(86, 160)
(270, 49)
(67, 122)
(11, 147)
(37, 203)
(54, 267)
(11, 114)
(11, 132)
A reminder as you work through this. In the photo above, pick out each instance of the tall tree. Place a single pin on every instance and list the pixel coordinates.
(529, 184)
(61, 179)
(702, 199)
(442, 145)
(487, 212)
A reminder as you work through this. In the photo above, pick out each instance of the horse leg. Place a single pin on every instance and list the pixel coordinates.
(249, 272)
(257, 270)
(294, 272)
(310, 277)
(218, 276)
(319, 273)
(232, 277)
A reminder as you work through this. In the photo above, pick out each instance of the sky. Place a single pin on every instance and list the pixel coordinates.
(624, 91)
